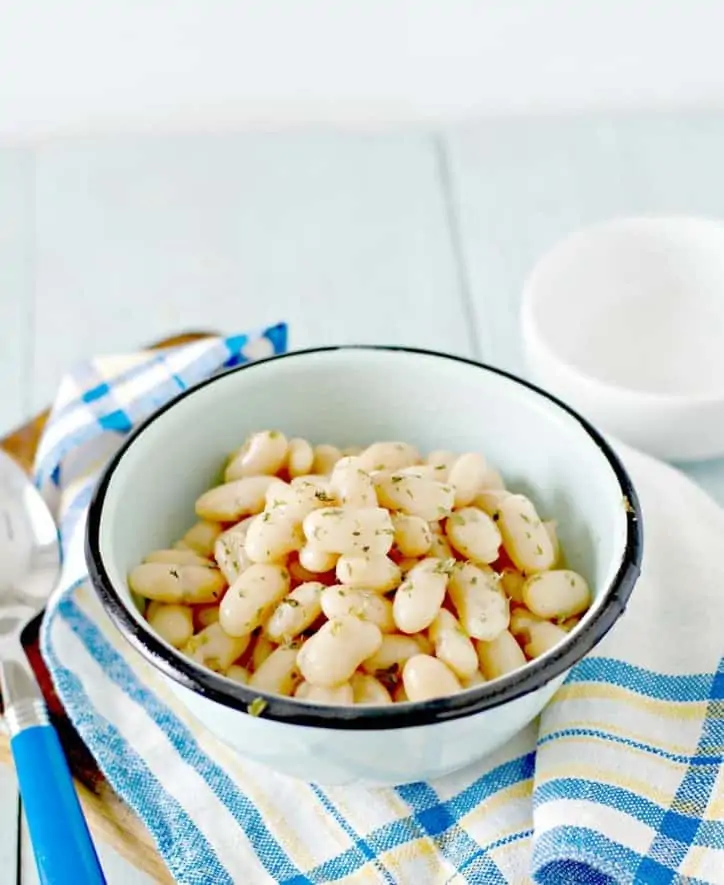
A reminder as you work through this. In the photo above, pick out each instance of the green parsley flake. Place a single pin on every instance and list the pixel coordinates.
(256, 707)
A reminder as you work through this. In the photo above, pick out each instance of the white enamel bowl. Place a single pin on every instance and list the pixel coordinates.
(358, 395)
(625, 321)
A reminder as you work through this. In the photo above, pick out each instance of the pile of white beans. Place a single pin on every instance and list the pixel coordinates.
(361, 576)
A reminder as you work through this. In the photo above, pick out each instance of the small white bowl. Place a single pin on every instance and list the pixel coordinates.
(355, 395)
(625, 321)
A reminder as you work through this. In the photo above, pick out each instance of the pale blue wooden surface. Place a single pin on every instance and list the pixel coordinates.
(8, 826)
(16, 244)
(15, 329)
(344, 237)
(423, 239)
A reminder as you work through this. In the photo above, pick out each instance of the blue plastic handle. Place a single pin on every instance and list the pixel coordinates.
(62, 844)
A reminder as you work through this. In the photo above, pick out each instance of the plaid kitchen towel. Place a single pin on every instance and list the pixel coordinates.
(621, 781)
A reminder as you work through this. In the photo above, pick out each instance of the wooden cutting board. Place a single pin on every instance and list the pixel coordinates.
(109, 817)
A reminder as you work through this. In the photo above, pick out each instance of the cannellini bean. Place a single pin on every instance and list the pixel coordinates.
(315, 560)
(473, 534)
(452, 645)
(338, 530)
(466, 476)
(442, 461)
(205, 615)
(492, 480)
(178, 557)
(489, 501)
(481, 607)
(331, 656)
(557, 595)
(500, 656)
(525, 537)
(440, 548)
(250, 599)
(337, 696)
(551, 526)
(512, 582)
(367, 690)
(521, 620)
(214, 648)
(413, 536)
(393, 652)
(232, 501)
(418, 600)
(278, 673)
(272, 536)
(237, 674)
(171, 583)
(474, 679)
(264, 452)
(388, 456)
(378, 573)
(278, 494)
(426, 471)
(295, 612)
(543, 636)
(415, 495)
(339, 602)
(318, 480)
(300, 457)
(174, 623)
(299, 498)
(260, 651)
(201, 537)
(230, 552)
(325, 457)
(426, 678)
(350, 484)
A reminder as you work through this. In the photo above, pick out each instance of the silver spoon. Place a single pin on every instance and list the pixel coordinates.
(29, 571)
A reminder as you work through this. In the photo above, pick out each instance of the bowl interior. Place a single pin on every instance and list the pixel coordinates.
(636, 304)
(355, 396)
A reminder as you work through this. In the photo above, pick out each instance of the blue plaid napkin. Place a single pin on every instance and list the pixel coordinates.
(621, 781)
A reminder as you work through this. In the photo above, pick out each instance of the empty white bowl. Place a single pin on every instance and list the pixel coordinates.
(355, 396)
(625, 321)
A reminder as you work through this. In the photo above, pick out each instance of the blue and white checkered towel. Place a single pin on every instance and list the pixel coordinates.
(621, 781)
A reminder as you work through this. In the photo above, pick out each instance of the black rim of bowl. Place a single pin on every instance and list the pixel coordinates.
(533, 676)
